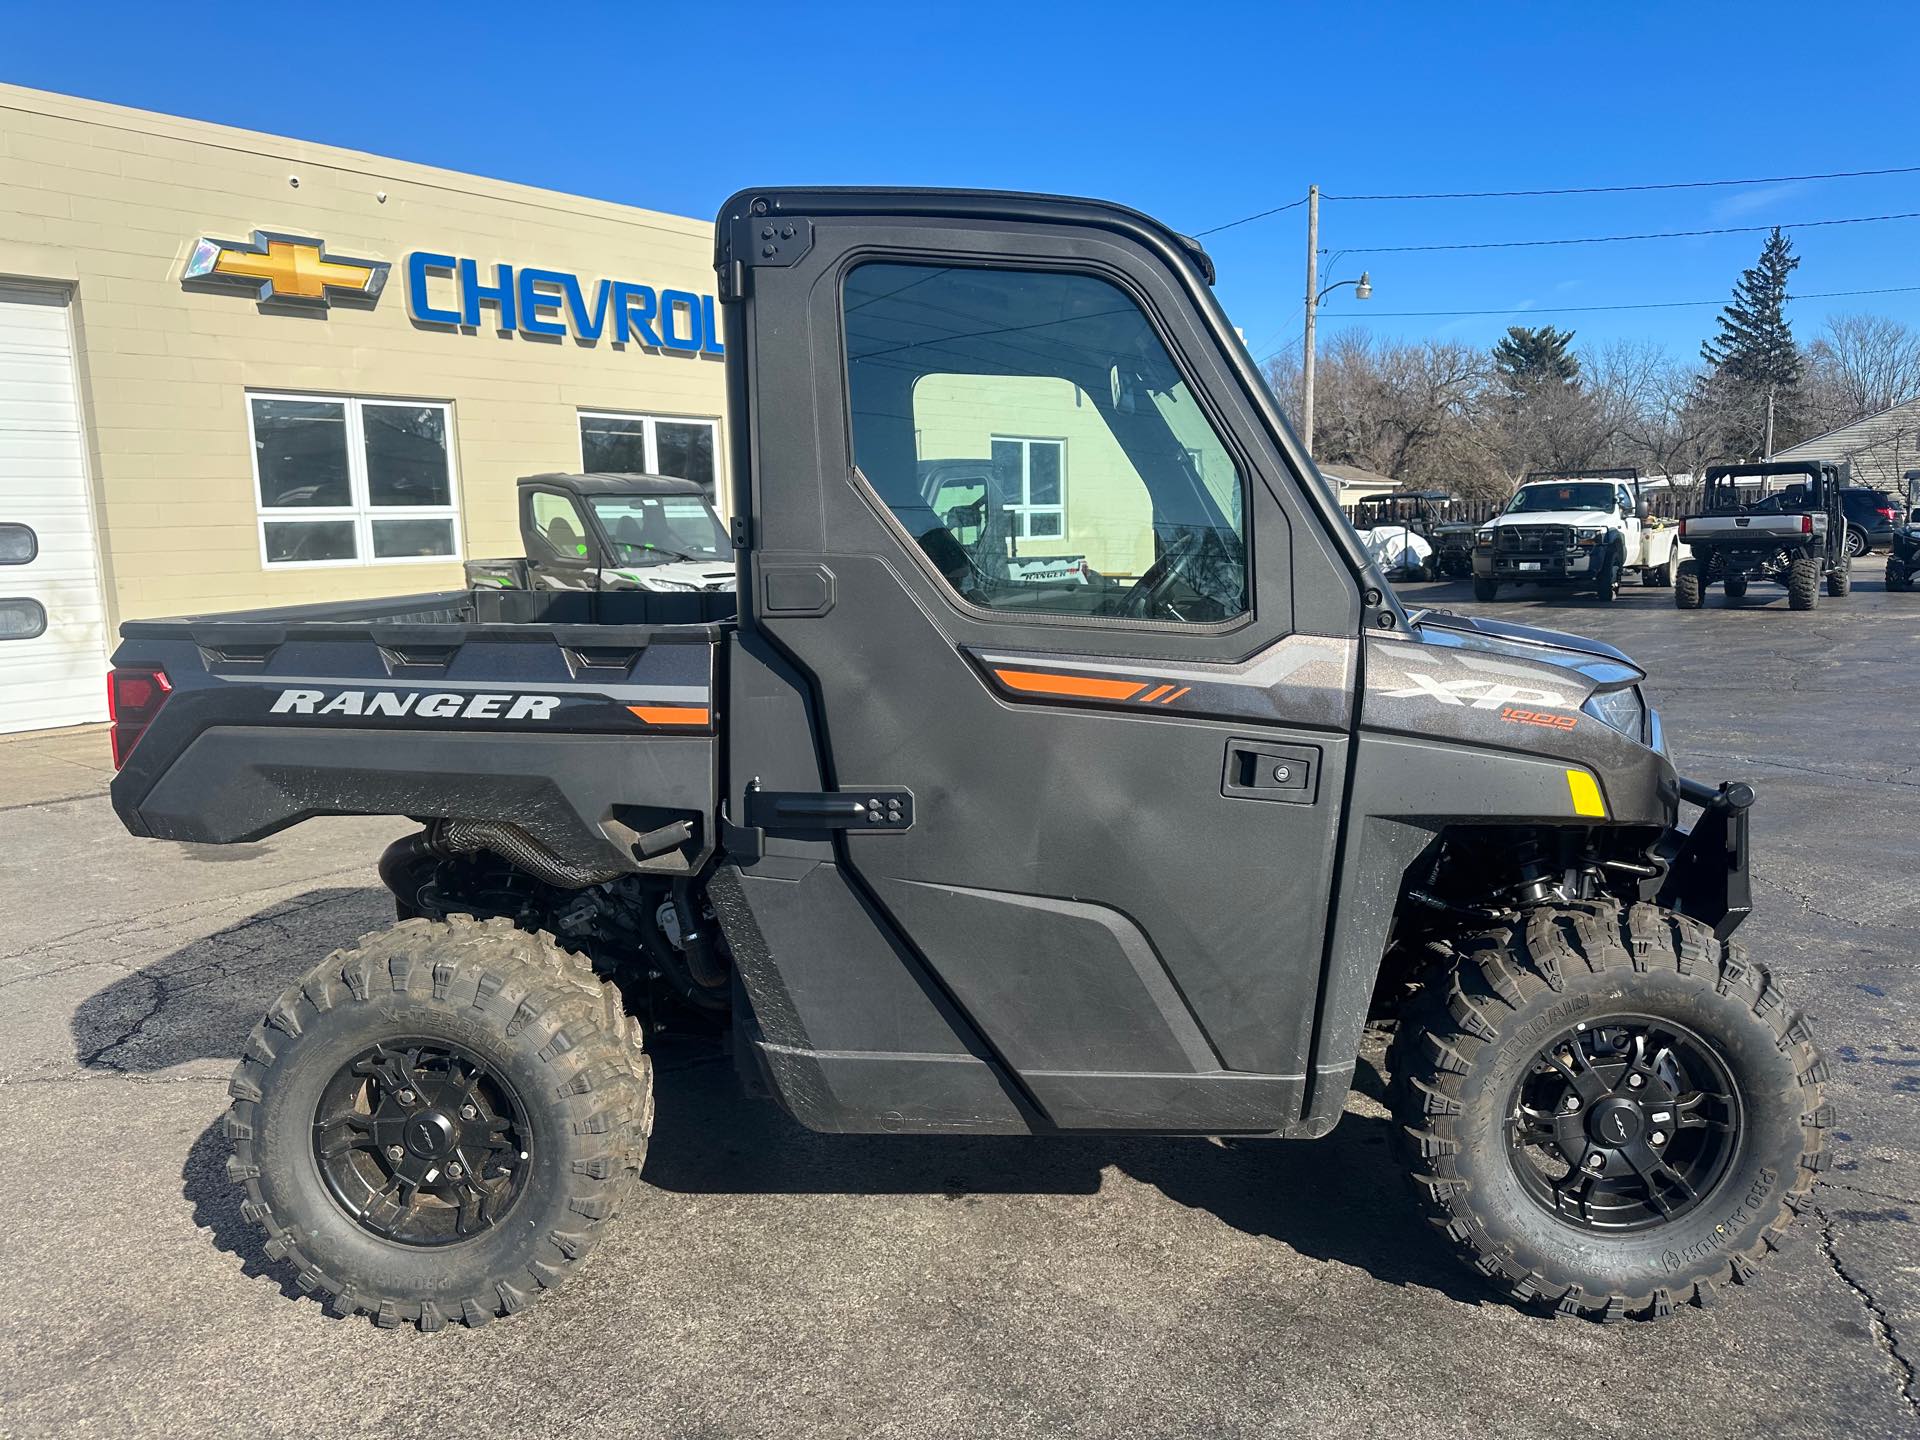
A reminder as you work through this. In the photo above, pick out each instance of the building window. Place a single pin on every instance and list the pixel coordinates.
(648, 445)
(344, 481)
(1033, 476)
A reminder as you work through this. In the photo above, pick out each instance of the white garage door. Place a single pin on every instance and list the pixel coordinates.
(53, 627)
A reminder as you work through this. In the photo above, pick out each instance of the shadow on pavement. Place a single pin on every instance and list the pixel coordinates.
(199, 1002)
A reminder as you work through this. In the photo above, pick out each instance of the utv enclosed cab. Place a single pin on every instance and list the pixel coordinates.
(613, 532)
(932, 843)
(1777, 520)
(1903, 555)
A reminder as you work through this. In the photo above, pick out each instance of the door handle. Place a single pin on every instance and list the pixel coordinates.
(1263, 770)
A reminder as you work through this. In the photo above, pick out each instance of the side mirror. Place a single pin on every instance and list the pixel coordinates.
(1643, 510)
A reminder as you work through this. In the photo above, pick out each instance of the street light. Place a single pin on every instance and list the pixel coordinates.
(1362, 290)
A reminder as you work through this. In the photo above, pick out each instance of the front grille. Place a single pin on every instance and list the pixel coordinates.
(1533, 539)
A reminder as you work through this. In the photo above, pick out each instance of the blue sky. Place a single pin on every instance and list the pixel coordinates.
(1196, 114)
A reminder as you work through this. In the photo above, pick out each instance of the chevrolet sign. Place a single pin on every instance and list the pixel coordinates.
(285, 270)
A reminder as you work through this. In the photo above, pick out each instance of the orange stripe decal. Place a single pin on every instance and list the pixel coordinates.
(1176, 695)
(672, 714)
(1078, 687)
(1154, 694)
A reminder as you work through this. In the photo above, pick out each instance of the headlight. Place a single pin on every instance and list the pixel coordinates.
(648, 583)
(1621, 710)
(1483, 537)
(1592, 534)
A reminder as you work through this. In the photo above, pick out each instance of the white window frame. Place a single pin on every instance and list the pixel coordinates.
(651, 422)
(1023, 509)
(362, 512)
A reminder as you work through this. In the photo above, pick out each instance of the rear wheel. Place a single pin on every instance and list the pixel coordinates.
(1659, 577)
(436, 1124)
(1606, 1110)
(1735, 586)
(1687, 587)
(1856, 542)
(1803, 583)
(1486, 589)
(1841, 580)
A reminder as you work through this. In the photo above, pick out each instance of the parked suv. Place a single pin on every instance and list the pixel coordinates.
(1873, 519)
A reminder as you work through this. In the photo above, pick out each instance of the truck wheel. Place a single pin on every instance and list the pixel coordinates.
(1841, 580)
(1735, 586)
(1687, 590)
(438, 1123)
(1607, 1110)
(1803, 583)
(1897, 576)
(1486, 589)
(1608, 584)
(1656, 577)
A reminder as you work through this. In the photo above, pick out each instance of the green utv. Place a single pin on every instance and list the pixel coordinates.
(937, 839)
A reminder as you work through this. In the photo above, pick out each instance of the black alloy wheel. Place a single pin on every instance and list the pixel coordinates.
(421, 1142)
(1624, 1123)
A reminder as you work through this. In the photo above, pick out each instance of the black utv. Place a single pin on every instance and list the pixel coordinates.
(1903, 554)
(933, 841)
(1777, 520)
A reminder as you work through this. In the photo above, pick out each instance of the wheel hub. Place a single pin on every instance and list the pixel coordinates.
(1623, 1124)
(421, 1142)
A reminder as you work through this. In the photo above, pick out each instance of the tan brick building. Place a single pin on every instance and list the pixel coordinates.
(201, 408)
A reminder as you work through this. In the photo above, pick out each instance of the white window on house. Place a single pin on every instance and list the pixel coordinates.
(1034, 470)
(613, 444)
(346, 481)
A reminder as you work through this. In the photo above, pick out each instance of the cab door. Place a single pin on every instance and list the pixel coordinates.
(1080, 771)
(562, 552)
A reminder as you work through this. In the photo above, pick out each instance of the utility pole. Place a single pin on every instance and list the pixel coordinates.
(1767, 452)
(1313, 300)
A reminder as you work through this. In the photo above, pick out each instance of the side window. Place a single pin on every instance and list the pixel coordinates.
(1623, 499)
(1034, 436)
(557, 522)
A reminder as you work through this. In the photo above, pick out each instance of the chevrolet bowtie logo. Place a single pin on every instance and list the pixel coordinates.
(285, 269)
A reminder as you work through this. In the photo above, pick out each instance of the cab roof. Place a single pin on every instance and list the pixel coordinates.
(617, 484)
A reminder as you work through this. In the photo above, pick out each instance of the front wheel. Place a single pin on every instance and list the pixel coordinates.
(1607, 1110)
(1486, 589)
(1607, 585)
(1735, 586)
(1898, 576)
(1840, 579)
(436, 1124)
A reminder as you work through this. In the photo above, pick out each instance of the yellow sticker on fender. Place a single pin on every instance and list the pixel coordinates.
(1585, 791)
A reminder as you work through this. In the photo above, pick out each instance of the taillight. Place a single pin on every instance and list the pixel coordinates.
(1683, 527)
(1887, 512)
(134, 697)
(1806, 524)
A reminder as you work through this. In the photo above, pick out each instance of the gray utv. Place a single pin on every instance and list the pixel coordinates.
(933, 838)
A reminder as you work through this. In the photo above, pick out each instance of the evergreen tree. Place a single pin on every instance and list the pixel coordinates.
(1528, 357)
(1754, 345)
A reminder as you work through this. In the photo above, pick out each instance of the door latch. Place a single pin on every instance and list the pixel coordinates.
(877, 808)
(1262, 770)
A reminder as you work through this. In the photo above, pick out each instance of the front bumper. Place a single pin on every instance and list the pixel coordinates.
(1706, 876)
(1533, 569)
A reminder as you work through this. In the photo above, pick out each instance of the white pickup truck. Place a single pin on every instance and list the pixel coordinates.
(1582, 530)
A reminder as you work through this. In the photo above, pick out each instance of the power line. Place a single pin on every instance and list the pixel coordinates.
(1372, 314)
(1616, 239)
(1570, 190)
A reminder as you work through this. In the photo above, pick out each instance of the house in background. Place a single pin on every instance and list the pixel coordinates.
(1356, 483)
(1880, 448)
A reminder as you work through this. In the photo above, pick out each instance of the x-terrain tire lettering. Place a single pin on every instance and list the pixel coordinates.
(1607, 1110)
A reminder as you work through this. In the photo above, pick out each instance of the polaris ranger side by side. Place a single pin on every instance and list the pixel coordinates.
(938, 845)
(1399, 530)
(1903, 554)
(1776, 520)
(613, 532)
(1579, 529)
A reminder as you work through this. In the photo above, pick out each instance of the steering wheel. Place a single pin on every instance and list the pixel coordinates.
(1146, 594)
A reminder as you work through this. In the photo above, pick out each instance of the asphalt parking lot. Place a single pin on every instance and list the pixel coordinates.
(771, 1282)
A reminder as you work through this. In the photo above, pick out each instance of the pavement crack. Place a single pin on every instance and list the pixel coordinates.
(1878, 1320)
(156, 1002)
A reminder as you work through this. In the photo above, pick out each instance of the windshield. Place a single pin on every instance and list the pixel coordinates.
(656, 529)
(1580, 495)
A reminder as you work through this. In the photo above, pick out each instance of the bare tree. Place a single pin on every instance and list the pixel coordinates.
(1859, 366)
